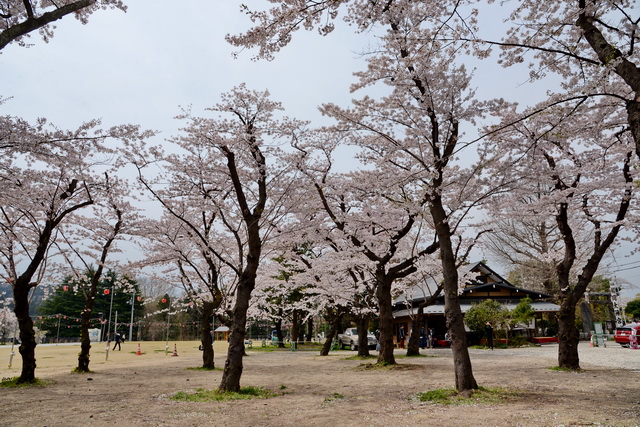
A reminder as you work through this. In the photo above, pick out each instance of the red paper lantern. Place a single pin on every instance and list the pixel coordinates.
(164, 300)
(107, 291)
(65, 288)
(139, 298)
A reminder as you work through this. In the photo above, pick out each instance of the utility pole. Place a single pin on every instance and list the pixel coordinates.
(133, 294)
(110, 307)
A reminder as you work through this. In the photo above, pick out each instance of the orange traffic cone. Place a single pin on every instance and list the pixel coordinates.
(138, 353)
(175, 350)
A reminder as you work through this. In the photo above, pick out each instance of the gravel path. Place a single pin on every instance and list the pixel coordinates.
(612, 356)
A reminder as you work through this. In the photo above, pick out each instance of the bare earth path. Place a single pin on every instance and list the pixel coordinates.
(321, 391)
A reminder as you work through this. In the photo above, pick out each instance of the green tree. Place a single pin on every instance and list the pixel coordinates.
(633, 308)
(523, 313)
(64, 307)
(486, 311)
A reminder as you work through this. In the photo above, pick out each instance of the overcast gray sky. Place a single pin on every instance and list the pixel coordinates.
(140, 66)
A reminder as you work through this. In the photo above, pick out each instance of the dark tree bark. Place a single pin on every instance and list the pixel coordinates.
(383, 293)
(413, 349)
(279, 331)
(465, 381)
(233, 365)
(569, 295)
(22, 284)
(247, 281)
(295, 327)
(85, 341)
(336, 321)
(90, 295)
(27, 349)
(362, 324)
(208, 309)
(310, 329)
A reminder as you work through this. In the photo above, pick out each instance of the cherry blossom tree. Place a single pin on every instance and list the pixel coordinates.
(46, 174)
(86, 243)
(18, 18)
(523, 242)
(578, 158)
(369, 212)
(415, 132)
(585, 42)
(246, 180)
(185, 244)
(331, 280)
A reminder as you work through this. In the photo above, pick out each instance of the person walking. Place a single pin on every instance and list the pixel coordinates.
(488, 332)
(118, 339)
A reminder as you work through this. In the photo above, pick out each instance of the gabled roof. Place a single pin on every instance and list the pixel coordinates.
(487, 280)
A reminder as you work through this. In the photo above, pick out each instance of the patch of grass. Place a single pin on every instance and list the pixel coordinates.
(356, 357)
(334, 396)
(450, 396)
(202, 395)
(202, 368)
(559, 369)
(282, 387)
(13, 383)
(404, 356)
(78, 371)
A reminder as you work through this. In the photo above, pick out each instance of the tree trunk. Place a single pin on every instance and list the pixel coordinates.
(333, 331)
(465, 381)
(413, 349)
(205, 336)
(27, 347)
(362, 324)
(633, 113)
(568, 335)
(294, 327)
(385, 304)
(85, 341)
(233, 365)
(310, 329)
(279, 332)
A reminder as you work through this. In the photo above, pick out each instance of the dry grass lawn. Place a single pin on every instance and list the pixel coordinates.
(128, 389)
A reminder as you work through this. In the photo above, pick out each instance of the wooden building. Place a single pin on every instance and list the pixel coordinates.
(481, 283)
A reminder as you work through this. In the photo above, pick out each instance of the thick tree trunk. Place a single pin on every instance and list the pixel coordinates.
(568, 336)
(333, 331)
(85, 341)
(27, 347)
(465, 381)
(205, 335)
(633, 113)
(385, 304)
(310, 329)
(362, 324)
(233, 365)
(279, 332)
(413, 349)
(294, 327)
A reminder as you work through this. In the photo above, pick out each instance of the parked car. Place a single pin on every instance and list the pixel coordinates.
(622, 334)
(350, 339)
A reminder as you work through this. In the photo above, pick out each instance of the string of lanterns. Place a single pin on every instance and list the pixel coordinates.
(52, 320)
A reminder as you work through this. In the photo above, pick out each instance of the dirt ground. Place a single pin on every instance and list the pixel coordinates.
(130, 389)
